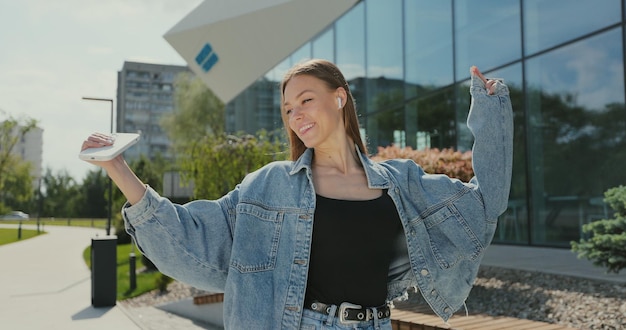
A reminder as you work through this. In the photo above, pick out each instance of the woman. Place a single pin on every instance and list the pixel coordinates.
(331, 238)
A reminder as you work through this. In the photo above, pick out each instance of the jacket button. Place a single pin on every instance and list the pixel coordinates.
(433, 293)
(446, 310)
(424, 272)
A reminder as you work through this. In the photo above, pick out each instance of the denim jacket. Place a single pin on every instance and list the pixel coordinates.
(254, 243)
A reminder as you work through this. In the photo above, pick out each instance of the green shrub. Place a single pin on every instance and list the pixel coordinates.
(607, 245)
(120, 230)
(150, 266)
(216, 164)
(162, 281)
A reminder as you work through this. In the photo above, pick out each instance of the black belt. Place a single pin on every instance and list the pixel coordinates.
(350, 313)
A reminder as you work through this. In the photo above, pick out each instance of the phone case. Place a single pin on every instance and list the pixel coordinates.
(121, 142)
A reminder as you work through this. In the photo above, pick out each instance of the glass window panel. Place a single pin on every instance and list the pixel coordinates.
(302, 54)
(428, 44)
(576, 133)
(323, 46)
(551, 22)
(384, 128)
(430, 120)
(488, 34)
(384, 51)
(276, 74)
(350, 51)
(384, 38)
(350, 34)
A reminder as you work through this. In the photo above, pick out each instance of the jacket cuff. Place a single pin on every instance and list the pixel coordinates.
(477, 86)
(141, 211)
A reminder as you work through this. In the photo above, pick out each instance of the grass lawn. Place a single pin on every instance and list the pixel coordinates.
(78, 222)
(9, 235)
(146, 281)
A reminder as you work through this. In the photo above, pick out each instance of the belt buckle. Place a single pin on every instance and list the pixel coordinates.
(343, 313)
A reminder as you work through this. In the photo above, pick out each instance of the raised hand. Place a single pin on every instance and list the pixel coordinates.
(489, 83)
(117, 169)
(97, 140)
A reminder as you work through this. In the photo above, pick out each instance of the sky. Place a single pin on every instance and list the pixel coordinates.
(54, 53)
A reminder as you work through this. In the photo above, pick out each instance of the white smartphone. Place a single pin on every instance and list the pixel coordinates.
(121, 142)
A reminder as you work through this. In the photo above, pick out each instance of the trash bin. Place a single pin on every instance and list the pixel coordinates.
(103, 271)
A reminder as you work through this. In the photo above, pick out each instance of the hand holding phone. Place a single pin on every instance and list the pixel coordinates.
(121, 142)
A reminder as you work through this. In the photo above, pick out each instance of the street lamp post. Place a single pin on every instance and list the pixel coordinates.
(110, 181)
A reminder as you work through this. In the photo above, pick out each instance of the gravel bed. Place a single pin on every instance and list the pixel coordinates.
(573, 302)
(175, 291)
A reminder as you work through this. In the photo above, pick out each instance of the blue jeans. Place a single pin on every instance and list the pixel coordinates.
(312, 320)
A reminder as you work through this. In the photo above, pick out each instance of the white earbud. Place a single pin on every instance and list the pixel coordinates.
(339, 101)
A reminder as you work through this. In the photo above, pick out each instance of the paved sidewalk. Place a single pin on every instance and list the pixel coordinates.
(45, 284)
(547, 260)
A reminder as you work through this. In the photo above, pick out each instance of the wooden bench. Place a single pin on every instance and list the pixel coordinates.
(208, 298)
(421, 317)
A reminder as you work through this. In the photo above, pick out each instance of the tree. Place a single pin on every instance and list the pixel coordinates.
(198, 112)
(607, 245)
(60, 195)
(216, 164)
(92, 200)
(15, 178)
(213, 160)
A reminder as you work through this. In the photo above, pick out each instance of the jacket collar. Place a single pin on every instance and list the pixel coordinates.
(377, 178)
(304, 162)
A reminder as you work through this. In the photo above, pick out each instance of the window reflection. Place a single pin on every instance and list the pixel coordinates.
(570, 124)
(301, 55)
(350, 50)
(435, 119)
(575, 19)
(486, 40)
(385, 128)
(384, 38)
(323, 46)
(277, 73)
(428, 44)
(384, 50)
(350, 34)
(576, 132)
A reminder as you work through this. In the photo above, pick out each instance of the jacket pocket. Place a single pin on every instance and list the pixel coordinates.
(256, 238)
(451, 238)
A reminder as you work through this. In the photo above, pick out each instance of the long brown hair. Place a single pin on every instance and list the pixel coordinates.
(330, 74)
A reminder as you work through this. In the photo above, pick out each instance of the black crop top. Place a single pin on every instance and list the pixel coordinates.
(351, 250)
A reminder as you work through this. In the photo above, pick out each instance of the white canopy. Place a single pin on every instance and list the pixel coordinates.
(231, 43)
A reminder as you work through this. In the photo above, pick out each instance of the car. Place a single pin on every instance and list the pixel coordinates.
(15, 215)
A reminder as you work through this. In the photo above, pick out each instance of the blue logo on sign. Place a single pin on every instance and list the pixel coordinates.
(206, 58)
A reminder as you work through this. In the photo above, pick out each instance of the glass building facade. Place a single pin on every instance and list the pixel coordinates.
(408, 61)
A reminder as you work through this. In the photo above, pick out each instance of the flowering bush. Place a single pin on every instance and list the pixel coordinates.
(454, 164)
